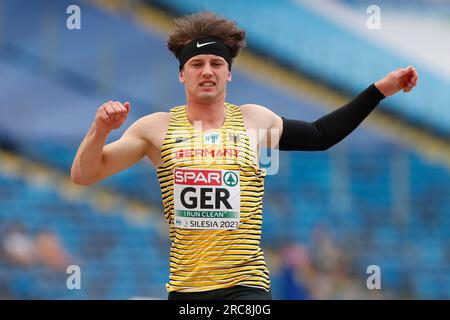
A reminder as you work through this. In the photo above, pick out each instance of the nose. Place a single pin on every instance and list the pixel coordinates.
(207, 70)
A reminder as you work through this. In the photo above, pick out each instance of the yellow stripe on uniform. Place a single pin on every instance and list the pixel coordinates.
(206, 259)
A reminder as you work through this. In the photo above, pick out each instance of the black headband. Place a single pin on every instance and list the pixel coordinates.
(204, 46)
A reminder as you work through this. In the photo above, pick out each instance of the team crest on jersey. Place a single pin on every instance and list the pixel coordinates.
(212, 138)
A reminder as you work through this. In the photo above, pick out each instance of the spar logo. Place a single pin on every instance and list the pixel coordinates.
(230, 178)
(198, 177)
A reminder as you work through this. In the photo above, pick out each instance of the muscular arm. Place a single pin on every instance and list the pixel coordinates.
(331, 128)
(321, 134)
(95, 161)
(335, 126)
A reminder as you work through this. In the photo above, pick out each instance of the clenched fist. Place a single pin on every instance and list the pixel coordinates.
(401, 79)
(111, 115)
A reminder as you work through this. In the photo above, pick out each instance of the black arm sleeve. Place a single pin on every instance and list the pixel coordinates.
(331, 128)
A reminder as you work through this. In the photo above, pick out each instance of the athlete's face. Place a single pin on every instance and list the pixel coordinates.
(205, 77)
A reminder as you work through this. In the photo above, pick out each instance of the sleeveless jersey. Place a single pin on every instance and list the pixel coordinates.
(212, 197)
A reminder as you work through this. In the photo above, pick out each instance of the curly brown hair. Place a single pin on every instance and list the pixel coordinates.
(205, 25)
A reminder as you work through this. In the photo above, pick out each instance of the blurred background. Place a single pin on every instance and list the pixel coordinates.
(380, 197)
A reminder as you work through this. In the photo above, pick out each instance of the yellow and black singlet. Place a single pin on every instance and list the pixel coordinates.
(212, 194)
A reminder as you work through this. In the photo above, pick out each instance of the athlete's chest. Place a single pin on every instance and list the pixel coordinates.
(181, 144)
(187, 141)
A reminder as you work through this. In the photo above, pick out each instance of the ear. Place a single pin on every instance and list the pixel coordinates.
(181, 77)
(229, 76)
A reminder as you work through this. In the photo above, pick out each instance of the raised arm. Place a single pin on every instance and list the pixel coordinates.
(94, 161)
(335, 126)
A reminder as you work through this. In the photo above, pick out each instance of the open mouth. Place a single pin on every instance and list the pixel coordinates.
(207, 84)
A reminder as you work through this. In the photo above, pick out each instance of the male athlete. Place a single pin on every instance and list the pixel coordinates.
(207, 162)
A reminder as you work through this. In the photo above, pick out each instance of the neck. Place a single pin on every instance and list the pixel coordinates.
(210, 114)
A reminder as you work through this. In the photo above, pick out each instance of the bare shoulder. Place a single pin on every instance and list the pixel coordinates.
(151, 127)
(250, 108)
(258, 117)
(157, 118)
(154, 121)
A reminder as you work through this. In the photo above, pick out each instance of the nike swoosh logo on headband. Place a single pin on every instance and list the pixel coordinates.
(204, 44)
